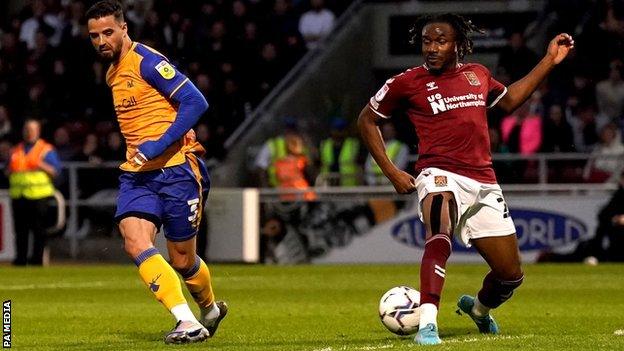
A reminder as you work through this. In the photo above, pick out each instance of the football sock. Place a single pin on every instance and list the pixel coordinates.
(495, 291)
(428, 315)
(161, 279)
(183, 313)
(198, 282)
(478, 309)
(213, 311)
(432, 268)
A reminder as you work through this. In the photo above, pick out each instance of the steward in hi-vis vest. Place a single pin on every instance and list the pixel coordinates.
(32, 167)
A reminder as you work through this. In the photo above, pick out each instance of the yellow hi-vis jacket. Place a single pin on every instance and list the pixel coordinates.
(347, 160)
(26, 180)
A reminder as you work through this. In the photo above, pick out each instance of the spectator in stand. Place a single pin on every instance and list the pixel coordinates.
(152, 32)
(274, 149)
(115, 149)
(211, 140)
(41, 21)
(267, 71)
(65, 150)
(6, 131)
(281, 20)
(558, 133)
(522, 133)
(605, 164)
(90, 150)
(610, 93)
(516, 59)
(584, 126)
(397, 152)
(341, 156)
(316, 24)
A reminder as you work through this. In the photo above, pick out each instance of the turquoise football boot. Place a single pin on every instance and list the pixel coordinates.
(428, 335)
(486, 324)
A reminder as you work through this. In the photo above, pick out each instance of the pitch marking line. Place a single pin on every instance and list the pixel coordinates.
(94, 284)
(487, 338)
(619, 332)
(365, 348)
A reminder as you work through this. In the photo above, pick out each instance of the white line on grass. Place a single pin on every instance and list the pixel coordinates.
(365, 348)
(94, 284)
(486, 338)
(619, 332)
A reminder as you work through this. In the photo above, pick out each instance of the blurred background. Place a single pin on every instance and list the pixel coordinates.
(287, 78)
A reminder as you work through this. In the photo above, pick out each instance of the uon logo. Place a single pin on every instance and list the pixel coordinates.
(535, 229)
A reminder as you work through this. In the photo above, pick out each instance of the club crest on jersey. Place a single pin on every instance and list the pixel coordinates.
(431, 86)
(440, 180)
(472, 78)
(165, 69)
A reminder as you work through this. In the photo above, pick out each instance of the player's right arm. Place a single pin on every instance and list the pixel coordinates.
(519, 92)
(379, 108)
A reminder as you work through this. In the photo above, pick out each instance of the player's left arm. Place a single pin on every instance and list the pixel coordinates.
(175, 86)
(518, 92)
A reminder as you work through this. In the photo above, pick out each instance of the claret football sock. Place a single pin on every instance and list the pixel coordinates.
(432, 268)
(161, 279)
(198, 282)
(496, 291)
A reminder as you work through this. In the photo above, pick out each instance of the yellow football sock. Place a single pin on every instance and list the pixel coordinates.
(161, 279)
(199, 284)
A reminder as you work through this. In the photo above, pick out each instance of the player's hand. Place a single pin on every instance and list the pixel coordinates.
(559, 47)
(151, 149)
(138, 159)
(403, 182)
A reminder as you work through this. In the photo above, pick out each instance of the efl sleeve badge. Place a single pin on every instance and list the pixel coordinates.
(165, 69)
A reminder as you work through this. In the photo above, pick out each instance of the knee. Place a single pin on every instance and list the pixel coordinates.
(510, 274)
(134, 246)
(182, 262)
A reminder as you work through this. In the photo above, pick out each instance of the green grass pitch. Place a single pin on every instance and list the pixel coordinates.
(320, 308)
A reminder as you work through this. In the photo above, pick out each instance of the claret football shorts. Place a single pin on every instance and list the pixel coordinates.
(172, 197)
(482, 207)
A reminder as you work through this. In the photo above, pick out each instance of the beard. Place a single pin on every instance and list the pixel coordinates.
(109, 55)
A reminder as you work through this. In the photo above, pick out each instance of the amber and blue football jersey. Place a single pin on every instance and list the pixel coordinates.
(143, 83)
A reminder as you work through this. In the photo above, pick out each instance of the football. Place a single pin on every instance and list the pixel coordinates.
(399, 310)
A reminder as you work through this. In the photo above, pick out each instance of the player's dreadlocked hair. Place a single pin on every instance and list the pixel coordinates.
(463, 28)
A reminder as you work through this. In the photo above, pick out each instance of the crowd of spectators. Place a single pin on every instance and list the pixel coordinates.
(235, 52)
(580, 108)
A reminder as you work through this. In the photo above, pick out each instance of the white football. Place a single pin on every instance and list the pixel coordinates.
(399, 310)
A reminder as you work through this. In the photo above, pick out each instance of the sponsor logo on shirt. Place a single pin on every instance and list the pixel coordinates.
(441, 104)
(431, 86)
(127, 103)
(165, 69)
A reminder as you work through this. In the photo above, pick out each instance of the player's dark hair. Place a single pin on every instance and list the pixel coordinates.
(463, 27)
(106, 8)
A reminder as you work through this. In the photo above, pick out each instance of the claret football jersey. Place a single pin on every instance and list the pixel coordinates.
(448, 112)
(143, 83)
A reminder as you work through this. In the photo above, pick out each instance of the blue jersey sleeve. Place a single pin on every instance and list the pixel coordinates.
(160, 73)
